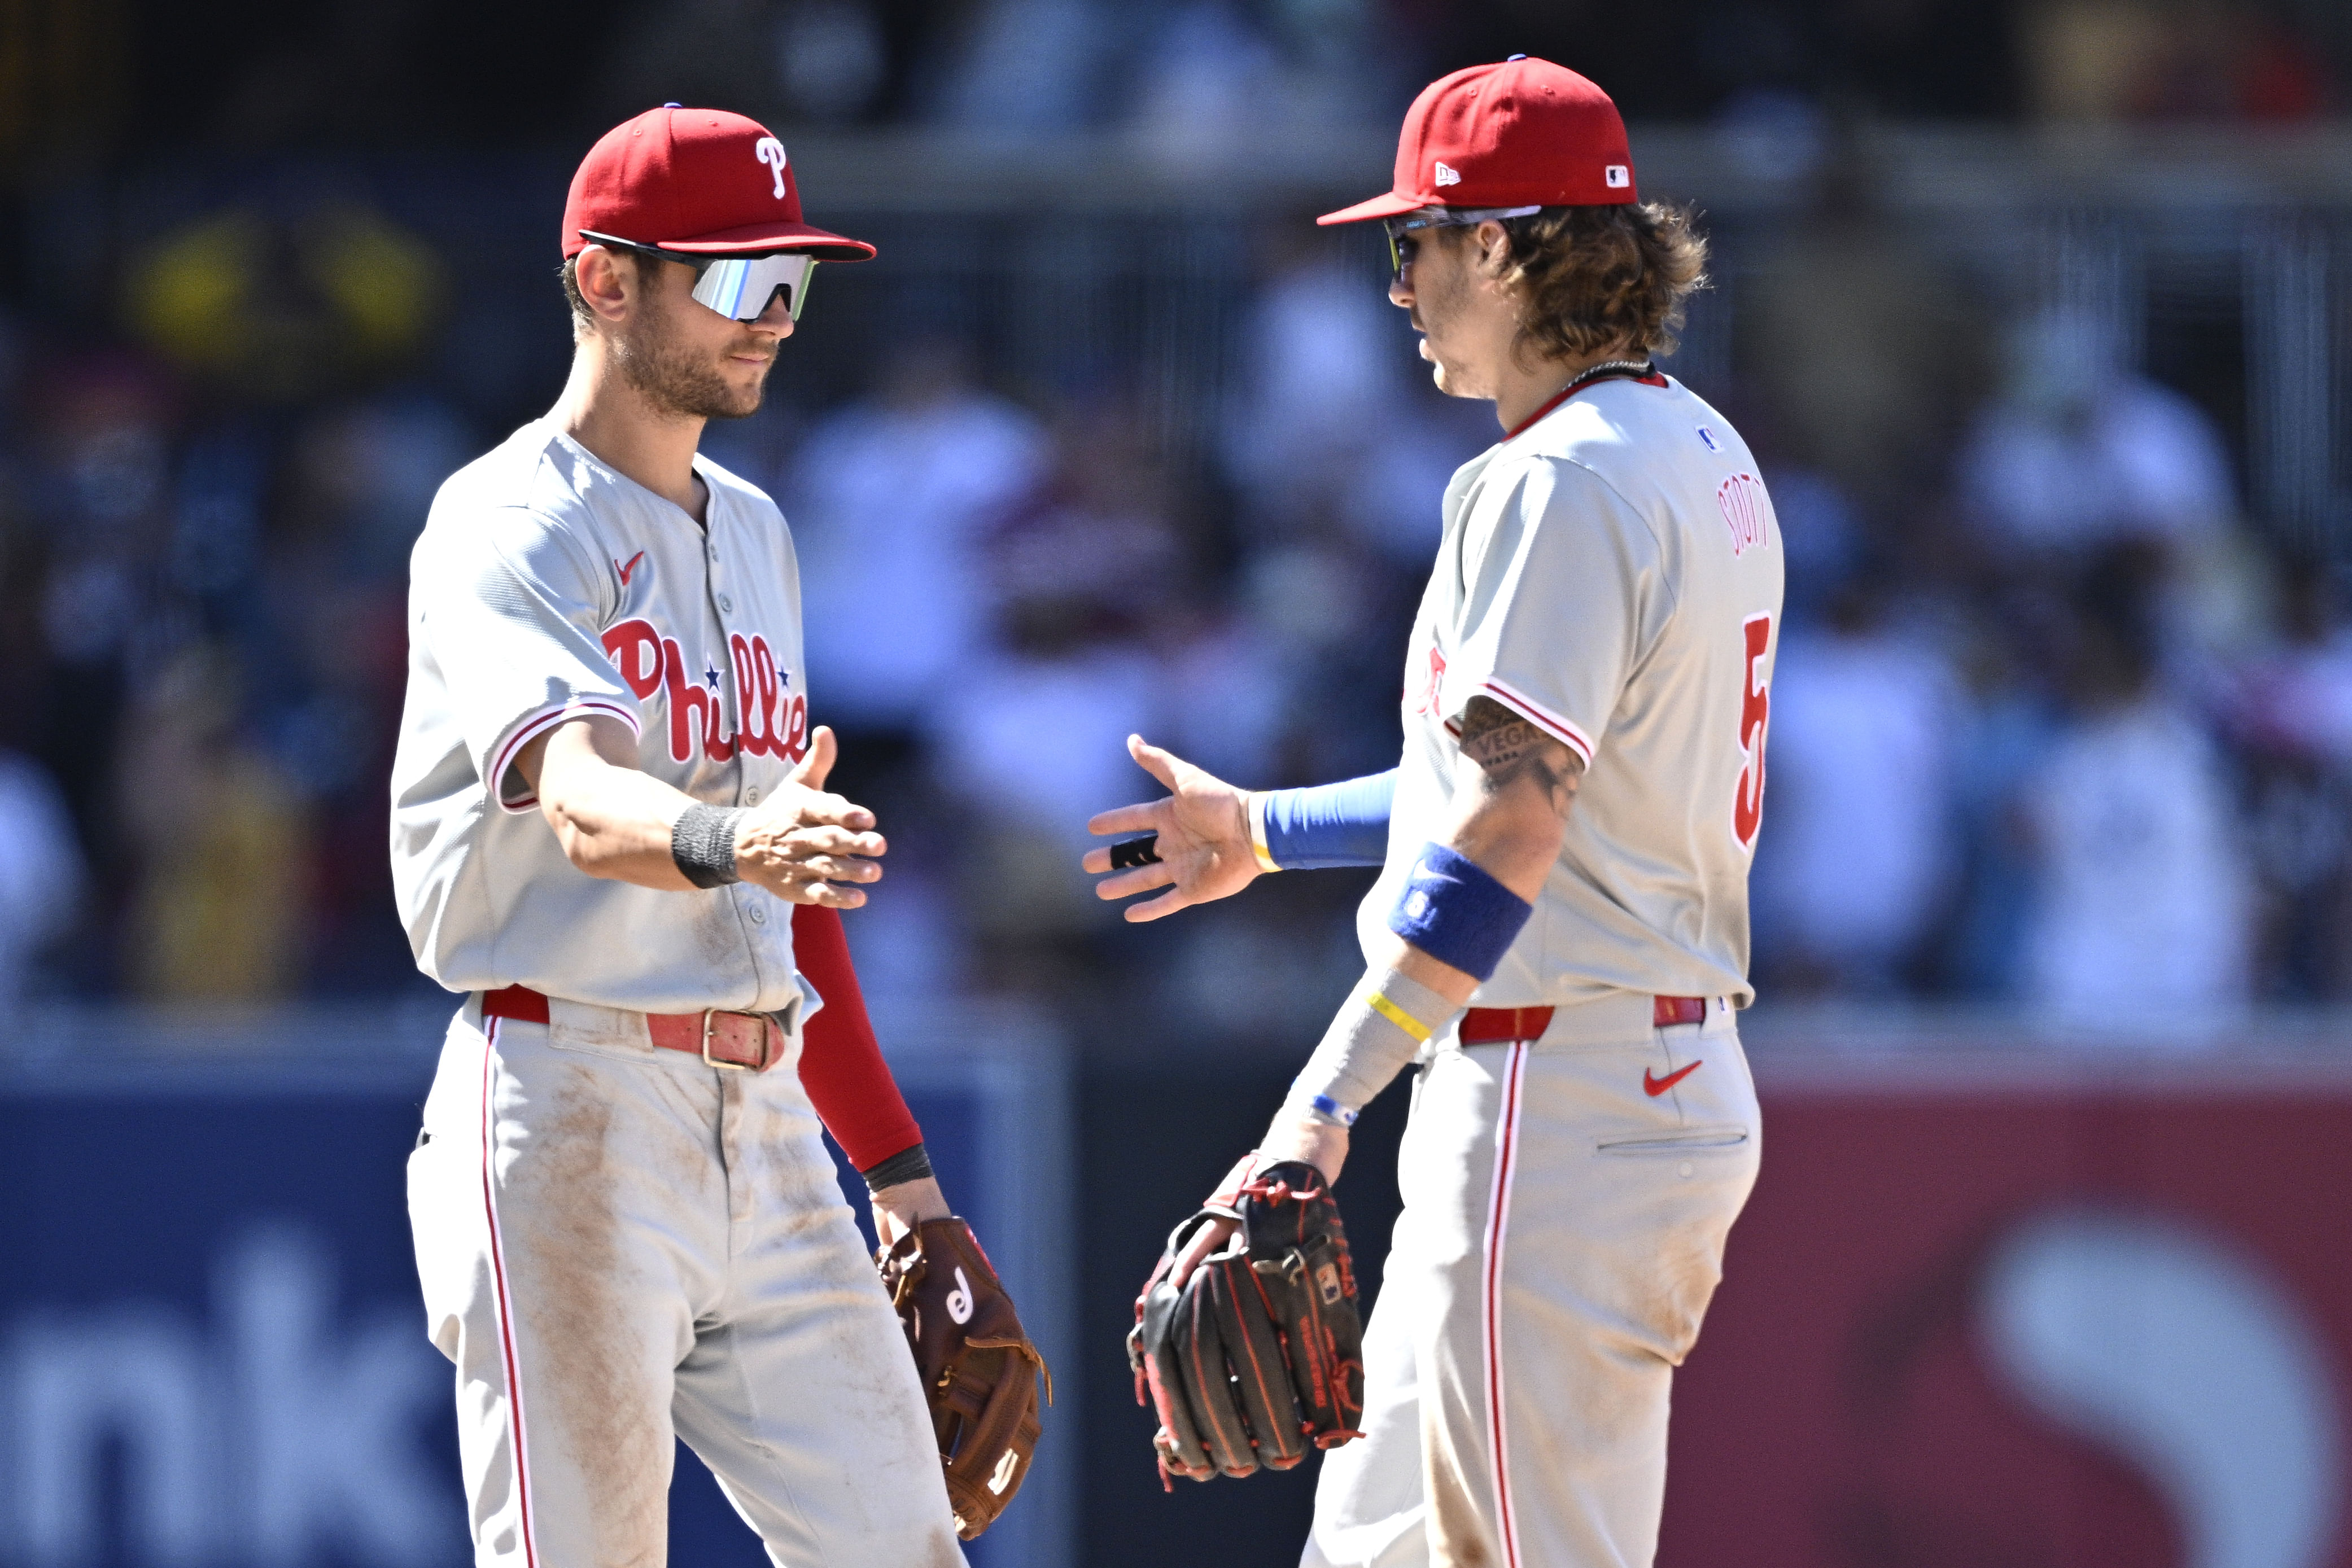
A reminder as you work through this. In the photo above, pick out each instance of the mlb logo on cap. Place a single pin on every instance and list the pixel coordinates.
(1524, 134)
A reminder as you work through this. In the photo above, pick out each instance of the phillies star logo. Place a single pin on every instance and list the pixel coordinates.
(774, 722)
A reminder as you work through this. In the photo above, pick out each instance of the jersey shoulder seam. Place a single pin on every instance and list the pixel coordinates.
(567, 539)
(1657, 546)
(1604, 480)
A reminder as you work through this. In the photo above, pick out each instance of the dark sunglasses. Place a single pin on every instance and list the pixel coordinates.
(1401, 228)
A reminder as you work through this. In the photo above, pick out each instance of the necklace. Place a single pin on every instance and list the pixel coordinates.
(1591, 373)
(1614, 367)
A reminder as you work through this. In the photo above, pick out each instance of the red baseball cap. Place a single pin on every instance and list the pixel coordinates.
(698, 180)
(1524, 134)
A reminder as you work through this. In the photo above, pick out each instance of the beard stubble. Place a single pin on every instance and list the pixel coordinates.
(668, 375)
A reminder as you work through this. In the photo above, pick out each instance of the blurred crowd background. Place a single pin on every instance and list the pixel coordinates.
(2033, 313)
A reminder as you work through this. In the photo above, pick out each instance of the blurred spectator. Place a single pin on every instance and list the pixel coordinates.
(1332, 421)
(352, 495)
(1031, 734)
(222, 842)
(1226, 696)
(41, 871)
(2291, 719)
(1210, 81)
(1851, 872)
(2079, 452)
(97, 518)
(888, 506)
(1338, 453)
(2142, 916)
(1214, 78)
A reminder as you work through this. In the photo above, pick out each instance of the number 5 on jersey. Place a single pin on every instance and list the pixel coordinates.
(1755, 713)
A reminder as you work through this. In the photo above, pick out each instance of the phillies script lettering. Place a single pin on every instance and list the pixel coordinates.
(773, 723)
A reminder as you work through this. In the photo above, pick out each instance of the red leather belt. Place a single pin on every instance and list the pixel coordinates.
(749, 1042)
(1501, 1026)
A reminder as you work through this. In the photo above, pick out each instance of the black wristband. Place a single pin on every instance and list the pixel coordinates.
(703, 844)
(907, 1165)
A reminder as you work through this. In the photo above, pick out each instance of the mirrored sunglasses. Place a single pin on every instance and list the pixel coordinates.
(1402, 227)
(738, 288)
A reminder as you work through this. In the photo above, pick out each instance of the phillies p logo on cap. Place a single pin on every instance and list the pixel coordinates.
(770, 153)
(702, 181)
(1524, 134)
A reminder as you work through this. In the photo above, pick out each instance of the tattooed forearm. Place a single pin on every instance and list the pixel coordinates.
(1509, 749)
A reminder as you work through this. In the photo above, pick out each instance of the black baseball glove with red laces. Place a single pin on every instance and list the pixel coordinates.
(1261, 1352)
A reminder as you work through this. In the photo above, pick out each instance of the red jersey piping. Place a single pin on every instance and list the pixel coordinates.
(1654, 378)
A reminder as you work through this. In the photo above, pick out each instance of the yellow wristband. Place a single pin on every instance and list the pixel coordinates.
(1255, 810)
(1396, 1015)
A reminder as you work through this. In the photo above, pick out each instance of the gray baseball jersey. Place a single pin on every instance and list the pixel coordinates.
(1612, 573)
(547, 586)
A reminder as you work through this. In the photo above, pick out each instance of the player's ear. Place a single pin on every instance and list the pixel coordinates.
(1493, 248)
(607, 284)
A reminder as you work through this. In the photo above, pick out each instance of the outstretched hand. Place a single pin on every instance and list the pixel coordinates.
(1205, 840)
(802, 841)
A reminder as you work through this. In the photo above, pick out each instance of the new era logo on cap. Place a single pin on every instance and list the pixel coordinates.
(1446, 177)
(1617, 176)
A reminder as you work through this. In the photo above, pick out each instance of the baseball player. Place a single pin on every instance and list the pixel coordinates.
(610, 831)
(1559, 936)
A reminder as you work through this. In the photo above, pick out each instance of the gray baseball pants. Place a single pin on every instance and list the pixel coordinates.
(1563, 1230)
(620, 1244)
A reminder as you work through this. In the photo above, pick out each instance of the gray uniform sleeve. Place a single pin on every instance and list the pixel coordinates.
(514, 614)
(1559, 602)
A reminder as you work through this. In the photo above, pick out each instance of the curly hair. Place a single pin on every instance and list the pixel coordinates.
(1593, 277)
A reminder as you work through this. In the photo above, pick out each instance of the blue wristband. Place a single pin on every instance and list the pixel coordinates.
(1331, 824)
(1456, 912)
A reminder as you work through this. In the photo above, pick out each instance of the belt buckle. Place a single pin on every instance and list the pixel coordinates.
(767, 1041)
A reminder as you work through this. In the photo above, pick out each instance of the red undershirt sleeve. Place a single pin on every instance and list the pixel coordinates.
(841, 1061)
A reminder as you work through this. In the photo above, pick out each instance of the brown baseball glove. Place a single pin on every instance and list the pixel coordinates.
(980, 1371)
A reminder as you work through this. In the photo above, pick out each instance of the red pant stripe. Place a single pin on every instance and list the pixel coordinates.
(506, 1306)
(1497, 1212)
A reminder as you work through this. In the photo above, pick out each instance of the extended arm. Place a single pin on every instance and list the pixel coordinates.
(1323, 825)
(1213, 840)
(616, 821)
